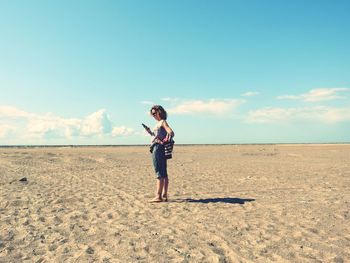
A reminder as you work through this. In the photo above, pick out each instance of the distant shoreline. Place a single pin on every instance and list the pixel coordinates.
(143, 145)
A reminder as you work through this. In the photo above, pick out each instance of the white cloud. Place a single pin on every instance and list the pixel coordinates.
(314, 95)
(250, 93)
(167, 99)
(213, 106)
(321, 113)
(335, 114)
(5, 130)
(122, 131)
(12, 112)
(97, 123)
(42, 126)
(289, 97)
(49, 126)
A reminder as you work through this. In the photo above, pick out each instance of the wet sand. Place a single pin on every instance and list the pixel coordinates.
(229, 203)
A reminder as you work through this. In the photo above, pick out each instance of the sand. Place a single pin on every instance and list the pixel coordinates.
(230, 203)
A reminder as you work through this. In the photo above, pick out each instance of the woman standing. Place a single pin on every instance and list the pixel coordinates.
(162, 134)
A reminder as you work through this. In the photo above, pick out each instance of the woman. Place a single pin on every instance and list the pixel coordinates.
(162, 134)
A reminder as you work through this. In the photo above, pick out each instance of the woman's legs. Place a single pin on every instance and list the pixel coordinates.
(162, 190)
(160, 185)
(160, 166)
(165, 189)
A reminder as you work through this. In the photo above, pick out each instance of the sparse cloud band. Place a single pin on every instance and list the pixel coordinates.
(212, 106)
(28, 126)
(250, 94)
(283, 115)
(315, 95)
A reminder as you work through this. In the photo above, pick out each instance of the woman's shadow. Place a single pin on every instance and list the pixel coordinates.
(228, 200)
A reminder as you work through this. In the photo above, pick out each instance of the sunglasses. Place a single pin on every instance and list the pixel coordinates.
(153, 113)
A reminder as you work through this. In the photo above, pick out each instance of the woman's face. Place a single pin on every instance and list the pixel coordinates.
(156, 115)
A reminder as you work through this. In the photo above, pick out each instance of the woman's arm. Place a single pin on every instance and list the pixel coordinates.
(170, 132)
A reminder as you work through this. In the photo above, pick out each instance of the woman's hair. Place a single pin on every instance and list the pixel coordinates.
(162, 113)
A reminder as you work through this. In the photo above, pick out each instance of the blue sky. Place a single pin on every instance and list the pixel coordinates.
(87, 72)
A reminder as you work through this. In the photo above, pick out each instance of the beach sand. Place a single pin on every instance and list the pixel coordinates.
(229, 203)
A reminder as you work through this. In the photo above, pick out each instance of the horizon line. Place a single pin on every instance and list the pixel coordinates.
(179, 144)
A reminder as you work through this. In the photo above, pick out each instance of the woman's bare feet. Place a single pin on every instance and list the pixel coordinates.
(156, 200)
(165, 198)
